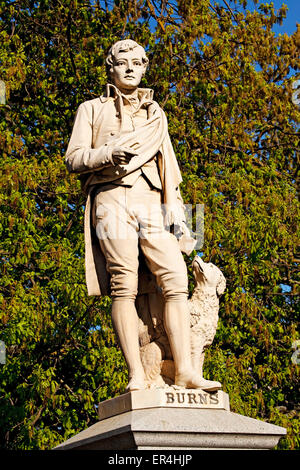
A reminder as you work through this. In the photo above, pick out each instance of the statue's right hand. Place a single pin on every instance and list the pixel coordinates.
(123, 155)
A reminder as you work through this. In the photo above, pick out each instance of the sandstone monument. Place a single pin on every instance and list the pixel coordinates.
(135, 233)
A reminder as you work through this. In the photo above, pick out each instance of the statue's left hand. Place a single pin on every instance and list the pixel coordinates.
(123, 155)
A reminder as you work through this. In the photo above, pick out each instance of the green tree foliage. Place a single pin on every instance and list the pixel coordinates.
(225, 82)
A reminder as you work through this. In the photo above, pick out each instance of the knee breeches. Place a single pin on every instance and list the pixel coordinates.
(129, 218)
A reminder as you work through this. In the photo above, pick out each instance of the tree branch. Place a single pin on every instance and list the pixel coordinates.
(152, 10)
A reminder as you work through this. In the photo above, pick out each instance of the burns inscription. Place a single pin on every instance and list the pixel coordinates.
(191, 398)
(163, 398)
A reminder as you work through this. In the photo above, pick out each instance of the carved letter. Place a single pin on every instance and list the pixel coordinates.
(203, 399)
(214, 399)
(170, 397)
(182, 397)
(192, 398)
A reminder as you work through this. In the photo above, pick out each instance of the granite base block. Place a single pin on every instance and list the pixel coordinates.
(185, 419)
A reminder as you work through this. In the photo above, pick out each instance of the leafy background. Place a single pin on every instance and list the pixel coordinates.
(224, 80)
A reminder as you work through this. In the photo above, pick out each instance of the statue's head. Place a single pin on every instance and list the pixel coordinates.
(126, 64)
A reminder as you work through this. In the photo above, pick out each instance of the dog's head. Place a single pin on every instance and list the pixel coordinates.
(208, 275)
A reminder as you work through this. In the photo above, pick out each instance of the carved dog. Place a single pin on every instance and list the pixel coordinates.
(204, 308)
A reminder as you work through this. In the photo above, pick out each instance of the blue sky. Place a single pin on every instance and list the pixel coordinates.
(293, 16)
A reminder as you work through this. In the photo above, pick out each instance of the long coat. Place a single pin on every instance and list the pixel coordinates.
(89, 154)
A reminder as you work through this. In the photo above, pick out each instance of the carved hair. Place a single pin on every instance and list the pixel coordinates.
(123, 46)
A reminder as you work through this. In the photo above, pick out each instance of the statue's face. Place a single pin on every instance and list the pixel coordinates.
(128, 69)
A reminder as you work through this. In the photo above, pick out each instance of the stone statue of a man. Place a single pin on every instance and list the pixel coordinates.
(121, 149)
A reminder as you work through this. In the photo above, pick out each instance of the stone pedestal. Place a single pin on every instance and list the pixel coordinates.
(173, 419)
